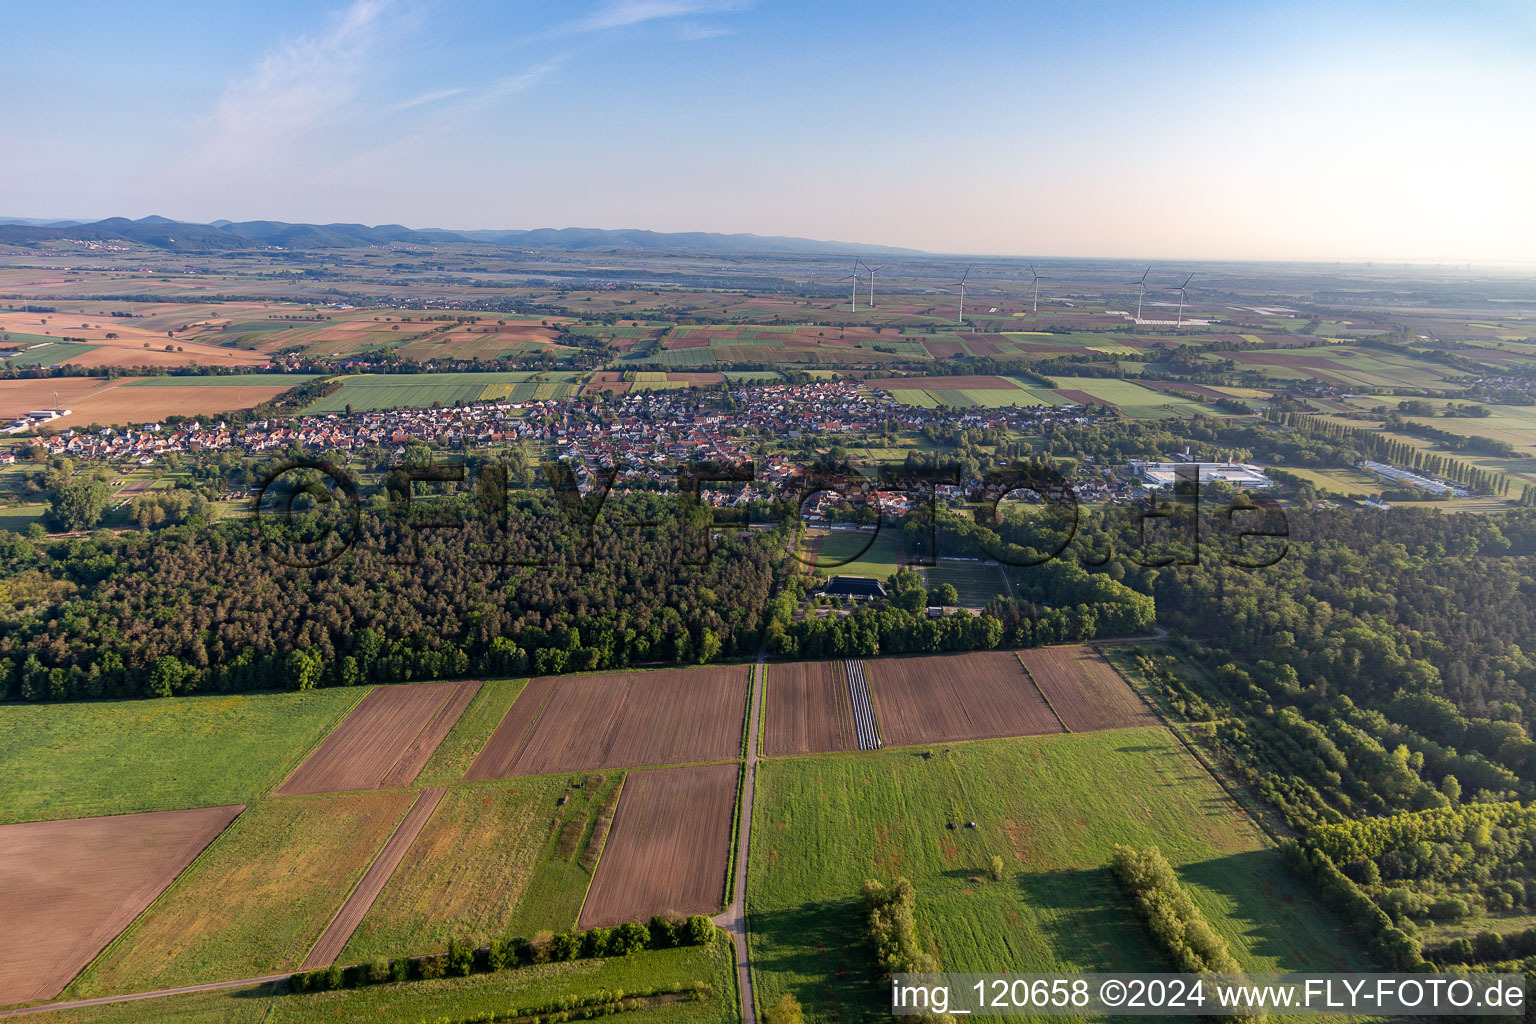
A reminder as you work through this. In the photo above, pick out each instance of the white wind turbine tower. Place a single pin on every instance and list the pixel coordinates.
(961, 285)
(1035, 305)
(854, 277)
(1142, 284)
(1181, 299)
(871, 272)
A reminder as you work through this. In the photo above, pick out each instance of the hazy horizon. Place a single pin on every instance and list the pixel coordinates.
(1292, 132)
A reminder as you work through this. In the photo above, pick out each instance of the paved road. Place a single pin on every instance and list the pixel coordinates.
(134, 997)
(734, 918)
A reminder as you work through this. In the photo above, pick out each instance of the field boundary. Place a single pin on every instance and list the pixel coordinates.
(746, 715)
(375, 878)
(618, 795)
(159, 897)
(363, 692)
(1041, 690)
(1243, 801)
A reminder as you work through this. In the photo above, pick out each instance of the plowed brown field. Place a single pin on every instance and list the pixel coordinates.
(670, 848)
(807, 709)
(619, 720)
(382, 740)
(1085, 690)
(955, 697)
(68, 887)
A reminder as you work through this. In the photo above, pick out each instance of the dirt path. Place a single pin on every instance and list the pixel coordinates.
(76, 1004)
(734, 918)
(336, 934)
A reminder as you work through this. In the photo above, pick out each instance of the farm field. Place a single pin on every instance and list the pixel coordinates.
(1134, 400)
(975, 581)
(135, 399)
(336, 935)
(619, 720)
(1338, 480)
(256, 901)
(1052, 807)
(69, 887)
(385, 741)
(116, 757)
(949, 697)
(670, 848)
(451, 998)
(131, 343)
(806, 709)
(494, 859)
(42, 351)
(853, 553)
(375, 391)
(458, 751)
(1084, 689)
(1346, 365)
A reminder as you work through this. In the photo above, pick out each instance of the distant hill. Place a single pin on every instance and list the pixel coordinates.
(692, 241)
(180, 236)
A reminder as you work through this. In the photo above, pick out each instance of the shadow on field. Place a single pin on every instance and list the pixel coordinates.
(1088, 920)
(821, 952)
(1277, 914)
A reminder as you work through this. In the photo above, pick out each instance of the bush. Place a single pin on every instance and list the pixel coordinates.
(400, 970)
(595, 942)
(379, 972)
(997, 868)
(663, 933)
(701, 930)
(429, 967)
(1173, 918)
(786, 1011)
(460, 958)
(335, 977)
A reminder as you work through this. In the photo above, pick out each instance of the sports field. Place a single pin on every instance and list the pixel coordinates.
(976, 581)
(853, 553)
(1052, 807)
(115, 757)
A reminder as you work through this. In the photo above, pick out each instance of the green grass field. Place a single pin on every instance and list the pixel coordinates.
(1052, 807)
(461, 746)
(256, 900)
(49, 351)
(115, 757)
(1134, 400)
(452, 999)
(882, 558)
(496, 858)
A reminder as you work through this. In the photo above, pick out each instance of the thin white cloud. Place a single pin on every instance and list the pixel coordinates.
(693, 32)
(296, 89)
(428, 97)
(624, 13)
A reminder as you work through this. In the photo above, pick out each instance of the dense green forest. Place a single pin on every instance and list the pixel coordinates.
(216, 608)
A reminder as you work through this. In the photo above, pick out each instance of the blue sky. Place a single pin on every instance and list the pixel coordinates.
(1202, 129)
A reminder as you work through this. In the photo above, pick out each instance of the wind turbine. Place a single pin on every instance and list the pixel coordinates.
(871, 272)
(1142, 284)
(1181, 299)
(854, 277)
(961, 285)
(1035, 306)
